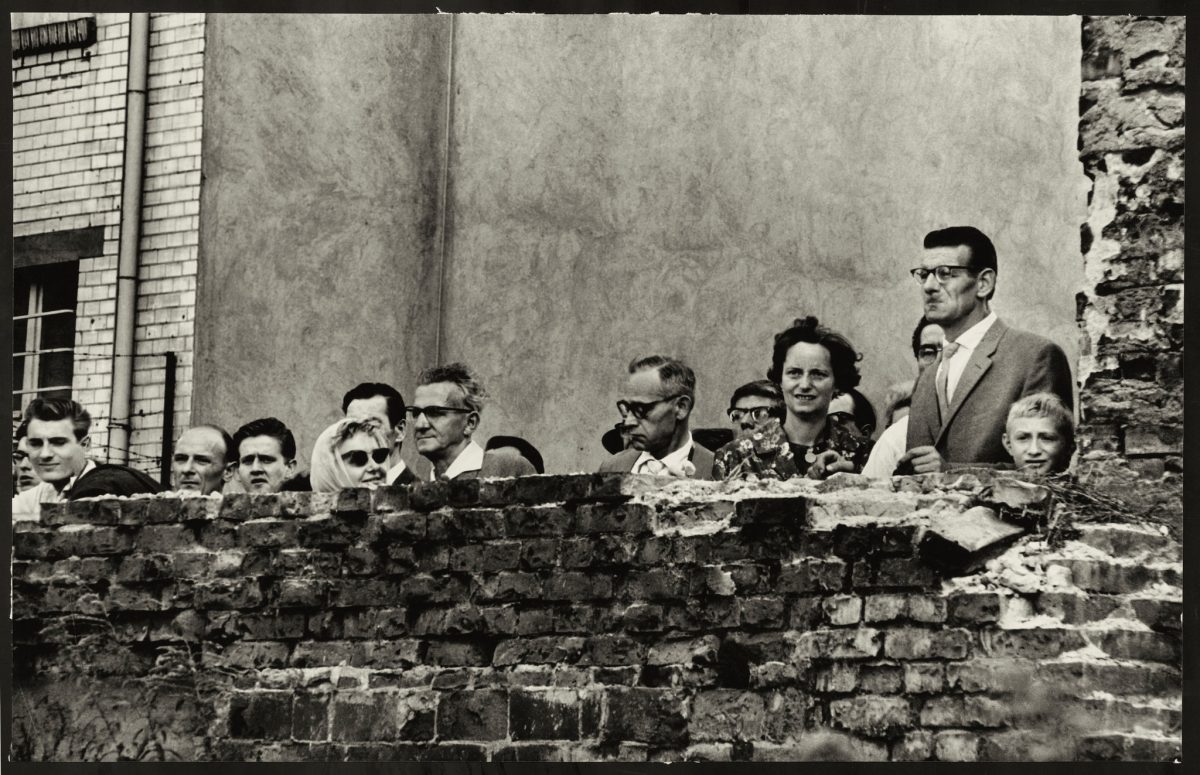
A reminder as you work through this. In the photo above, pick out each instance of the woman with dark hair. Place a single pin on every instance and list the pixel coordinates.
(811, 364)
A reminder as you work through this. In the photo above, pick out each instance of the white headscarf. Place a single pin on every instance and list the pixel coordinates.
(328, 471)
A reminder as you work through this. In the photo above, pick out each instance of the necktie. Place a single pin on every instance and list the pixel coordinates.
(652, 466)
(948, 350)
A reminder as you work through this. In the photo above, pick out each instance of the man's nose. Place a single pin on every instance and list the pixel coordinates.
(629, 421)
(930, 283)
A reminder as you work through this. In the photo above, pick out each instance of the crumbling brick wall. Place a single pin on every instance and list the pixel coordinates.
(590, 617)
(1131, 143)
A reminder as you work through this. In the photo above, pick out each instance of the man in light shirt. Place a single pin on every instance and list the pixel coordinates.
(57, 440)
(655, 406)
(890, 447)
(384, 403)
(960, 405)
(446, 412)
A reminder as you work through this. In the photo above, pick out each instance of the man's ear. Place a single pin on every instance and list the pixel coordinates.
(683, 407)
(986, 283)
(291, 466)
(472, 423)
(86, 441)
(399, 432)
(1007, 446)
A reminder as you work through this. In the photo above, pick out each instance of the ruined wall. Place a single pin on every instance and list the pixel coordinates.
(1131, 142)
(589, 618)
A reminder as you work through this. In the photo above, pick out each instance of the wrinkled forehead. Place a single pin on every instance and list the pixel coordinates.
(956, 255)
(365, 408)
(932, 334)
(260, 445)
(439, 394)
(201, 441)
(643, 386)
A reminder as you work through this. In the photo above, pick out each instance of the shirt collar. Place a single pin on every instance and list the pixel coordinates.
(395, 471)
(87, 466)
(971, 338)
(672, 459)
(470, 459)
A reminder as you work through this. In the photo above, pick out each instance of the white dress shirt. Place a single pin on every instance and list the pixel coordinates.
(888, 449)
(395, 471)
(648, 464)
(470, 459)
(967, 341)
(27, 506)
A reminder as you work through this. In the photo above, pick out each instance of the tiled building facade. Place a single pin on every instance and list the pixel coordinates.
(69, 110)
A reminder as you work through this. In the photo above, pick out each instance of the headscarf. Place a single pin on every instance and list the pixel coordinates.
(328, 471)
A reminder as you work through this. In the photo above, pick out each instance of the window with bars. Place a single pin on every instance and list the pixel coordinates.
(43, 332)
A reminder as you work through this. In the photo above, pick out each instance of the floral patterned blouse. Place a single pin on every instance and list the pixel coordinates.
(767, 454)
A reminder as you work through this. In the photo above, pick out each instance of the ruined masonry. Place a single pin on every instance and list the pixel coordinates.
(594, 617)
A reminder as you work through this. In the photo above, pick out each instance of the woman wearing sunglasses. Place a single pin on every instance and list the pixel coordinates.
(350, 453)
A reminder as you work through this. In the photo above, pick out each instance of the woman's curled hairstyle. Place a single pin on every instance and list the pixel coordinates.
(842, 355)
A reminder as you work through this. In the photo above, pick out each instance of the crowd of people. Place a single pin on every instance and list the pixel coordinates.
(985, 394)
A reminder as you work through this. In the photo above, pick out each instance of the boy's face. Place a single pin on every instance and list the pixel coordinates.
(1036, 445)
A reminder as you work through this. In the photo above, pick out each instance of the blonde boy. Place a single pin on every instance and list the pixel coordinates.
(1040, 434)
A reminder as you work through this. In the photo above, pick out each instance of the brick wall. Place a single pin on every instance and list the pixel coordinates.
(593, 617)
(1131, 140)
(68, 147)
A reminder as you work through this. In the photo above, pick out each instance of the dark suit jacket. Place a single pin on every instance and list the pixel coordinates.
(1007, 365)
(622, 462)
(501, 464)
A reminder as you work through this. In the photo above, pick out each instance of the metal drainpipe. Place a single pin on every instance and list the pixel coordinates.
(131, 233)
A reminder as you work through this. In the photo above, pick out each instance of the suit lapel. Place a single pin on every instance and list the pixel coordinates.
(977, 366)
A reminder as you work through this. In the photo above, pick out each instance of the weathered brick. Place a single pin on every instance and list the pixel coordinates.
(661, 584)
(573, 586)
(551, 714)
(876, 716)
(537, 521)
(480, 714)
(278, 533)
(363, 716)
(916, 643)
(915, 746)
(1031, 642)
(631, 518)
(956, 746)
(548, 650)
(727, 714)
(333, 530)
(509, 586)
(843, 609)
(880, 678)
(238, 593)
(969, 711)
(260, 715)
(1166, 615)
(86, 540)
(811, 575)
(972, 608)
(458, 653)
(924, 677)
(310, 716)
(655, 716)
(790, 511)
(857, 643)
(615, 649)
(1138, 644)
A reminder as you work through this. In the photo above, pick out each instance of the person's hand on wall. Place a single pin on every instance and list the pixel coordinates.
(685, 471)
(921, 460)
(828, 463)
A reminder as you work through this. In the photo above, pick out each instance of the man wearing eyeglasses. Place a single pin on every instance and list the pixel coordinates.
(960, 403)
(753, 404)
(445, 413)
(890, 447)
(655, 406)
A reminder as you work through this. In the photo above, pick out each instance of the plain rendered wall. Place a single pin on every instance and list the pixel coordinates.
(617, 186)
(322, 159)
(628, 185)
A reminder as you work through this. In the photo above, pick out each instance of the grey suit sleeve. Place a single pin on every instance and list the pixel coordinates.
(1051, 373)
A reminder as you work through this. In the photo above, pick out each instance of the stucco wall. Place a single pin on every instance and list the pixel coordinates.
(616, 186)
(321, 169)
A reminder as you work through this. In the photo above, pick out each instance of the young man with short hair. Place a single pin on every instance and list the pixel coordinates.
(384, 403)
(265, 455)
(57, 440)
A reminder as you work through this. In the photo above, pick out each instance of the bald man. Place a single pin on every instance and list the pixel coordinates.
(202, 458)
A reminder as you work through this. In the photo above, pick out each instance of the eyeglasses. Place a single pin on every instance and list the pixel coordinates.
(941, 273)
(928, 352)
(757, 414)
(358, 457)
(640, 409)
(434, 412)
